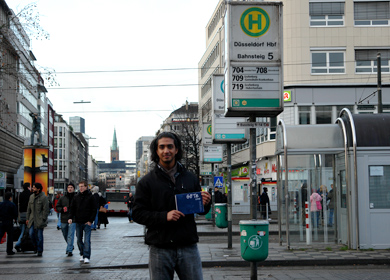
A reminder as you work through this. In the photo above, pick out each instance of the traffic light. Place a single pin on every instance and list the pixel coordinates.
(120, 177)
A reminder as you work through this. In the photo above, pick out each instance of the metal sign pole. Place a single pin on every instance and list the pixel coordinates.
(229, 198)
(213, 197)
(252, 145)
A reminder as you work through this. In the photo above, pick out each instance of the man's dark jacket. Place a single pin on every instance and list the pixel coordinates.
(23, 200)
(83, 208)
(218, 197)
(8, 212)
(155, 197)
(65, 201)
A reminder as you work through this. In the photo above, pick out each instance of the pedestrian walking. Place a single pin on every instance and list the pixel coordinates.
(8, 214)
(102, 214)
(330, 202)
(218, 196)
(22, 205)
(95, 193)
(264, 203)
(37, 216)
(130, 204)
(83, 213)
(63, 207)
(56, 198)
(315, 208)
(170, 233)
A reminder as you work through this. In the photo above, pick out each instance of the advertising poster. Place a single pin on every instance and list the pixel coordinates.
(28, 167)
(36, 167)
(42, 168)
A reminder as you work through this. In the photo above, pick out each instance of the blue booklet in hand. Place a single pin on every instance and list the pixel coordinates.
(189, 203)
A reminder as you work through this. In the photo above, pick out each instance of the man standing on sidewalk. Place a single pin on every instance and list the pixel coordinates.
(8, 213)
(63, 207)
(170, 233)
(83, 213)
(130, 204)
(37, 216)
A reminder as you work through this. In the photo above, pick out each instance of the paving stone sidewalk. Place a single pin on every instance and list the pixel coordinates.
(121, 245)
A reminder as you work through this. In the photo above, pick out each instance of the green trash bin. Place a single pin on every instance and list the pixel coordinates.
(208, 216)
(254, 240)
(221, 215)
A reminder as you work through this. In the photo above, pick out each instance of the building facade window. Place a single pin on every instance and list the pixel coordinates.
(327, 62)
(304, 114)
(366, 61)
(323, 114)
(371, 13)
(326, 14)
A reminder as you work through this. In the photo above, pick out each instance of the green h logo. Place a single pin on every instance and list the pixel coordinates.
(255, 22)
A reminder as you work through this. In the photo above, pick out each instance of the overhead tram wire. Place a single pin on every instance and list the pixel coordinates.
(119, 111)
(139, 86)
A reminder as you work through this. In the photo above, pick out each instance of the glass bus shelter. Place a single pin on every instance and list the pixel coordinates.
(333, 182)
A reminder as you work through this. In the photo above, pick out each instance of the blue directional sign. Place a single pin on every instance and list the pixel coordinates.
(218, 181)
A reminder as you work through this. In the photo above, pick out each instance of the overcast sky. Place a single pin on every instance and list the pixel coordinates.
(109, 37)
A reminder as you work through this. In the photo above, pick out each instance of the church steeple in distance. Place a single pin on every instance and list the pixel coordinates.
(114, 148)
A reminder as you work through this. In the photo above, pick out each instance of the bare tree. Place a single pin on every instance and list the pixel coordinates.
(191, 145)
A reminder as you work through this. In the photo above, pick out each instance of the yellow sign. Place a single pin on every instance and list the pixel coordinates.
(255, 22)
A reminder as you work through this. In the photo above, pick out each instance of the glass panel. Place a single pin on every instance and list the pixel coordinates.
(336, 59)
(379, 186)
(323, 114)
(335, 17)
(309, 180)
(335, 23)
(336, 70)
(317, 17)
(363, 70)
(362, 22)
(363, 63)
(343, 188)
(317, 23)
(318, 71)
(380, 22)
(304, 118)
(319, 59)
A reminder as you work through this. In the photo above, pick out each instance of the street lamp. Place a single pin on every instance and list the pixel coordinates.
(81, 102)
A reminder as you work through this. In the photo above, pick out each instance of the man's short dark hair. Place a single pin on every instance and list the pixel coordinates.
(154, 145)
(26, 186)
(38, 186)
(7, 195)
(71, 184)
(85, 183)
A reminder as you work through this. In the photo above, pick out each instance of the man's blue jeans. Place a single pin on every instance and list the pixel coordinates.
(94, 225)
(37, 237)
(331, 213)
(22, 229)
(185, 260)
(84, 246)
(59, 220)
(68, 233)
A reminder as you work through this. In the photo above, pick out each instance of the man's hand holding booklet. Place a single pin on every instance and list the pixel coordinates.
(189, 203)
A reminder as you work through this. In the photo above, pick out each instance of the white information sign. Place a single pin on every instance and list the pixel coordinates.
(205, 169)
(224, 130)
(253, 72)
(253, 124)
(212, 153)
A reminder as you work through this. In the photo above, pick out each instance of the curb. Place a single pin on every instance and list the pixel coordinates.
(273, 263)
